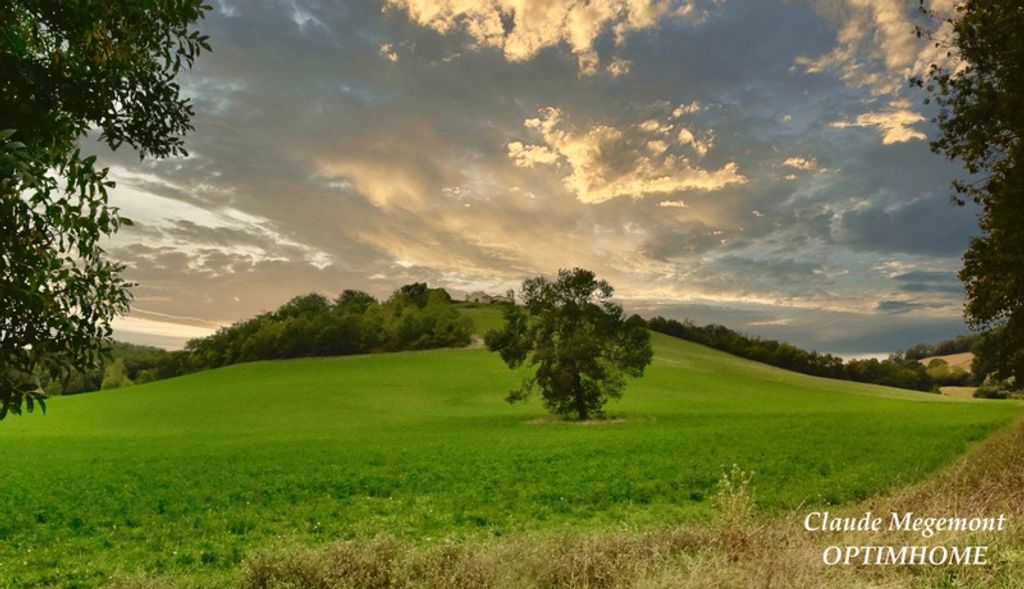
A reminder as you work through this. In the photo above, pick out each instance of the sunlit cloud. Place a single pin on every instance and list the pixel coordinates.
(355, 148)
(387, 51)
(806, 164)
(895, 122)
(606, 162)
(171, 328)
(522, 28)
(686, 109)
(700, 146)
(771, 322)
(619, 67)
(876, 45)
(384, 185)
(676, 204)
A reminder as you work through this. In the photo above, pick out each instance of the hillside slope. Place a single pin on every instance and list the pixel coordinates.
(963, 360)
(187, 476)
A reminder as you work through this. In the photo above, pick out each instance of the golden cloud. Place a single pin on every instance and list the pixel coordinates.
(894, 122)
(521, 28)
(876, 47)
(606, 162)
(806, 164)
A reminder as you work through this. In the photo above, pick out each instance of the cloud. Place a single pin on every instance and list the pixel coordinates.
(925, 226)
(619, 66)
(678, 204)
(686, 109)
(387, 51)
(522, 28)
(774, 275)
(897, 306)
(875, 44)
(173, 328)
(930, 281)
(528, 156)
(320, 164)
(801, 163)
(606, 162)
(701, 146)
(771, 322)
(191, 227)
(393, 170)
(894, 122)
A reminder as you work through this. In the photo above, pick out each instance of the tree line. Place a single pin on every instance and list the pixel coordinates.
(903, 370)
(956, 345)
(415, 317)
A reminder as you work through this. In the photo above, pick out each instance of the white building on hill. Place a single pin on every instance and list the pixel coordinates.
(482, 297)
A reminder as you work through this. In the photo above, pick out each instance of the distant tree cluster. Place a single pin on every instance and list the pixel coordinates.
(125, 365)
(992, 353)
(415, 317)
(941, 373)
(945, 375)
(956, 345)
(896, 371)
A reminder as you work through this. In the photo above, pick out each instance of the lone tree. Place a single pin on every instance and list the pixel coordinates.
(579, 340)
(69, 68)
(980, 98)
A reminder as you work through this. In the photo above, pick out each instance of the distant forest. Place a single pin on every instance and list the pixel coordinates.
(957, 345)
(416, 317)
(901, 369)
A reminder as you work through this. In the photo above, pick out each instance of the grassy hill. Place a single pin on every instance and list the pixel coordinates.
(187, 476)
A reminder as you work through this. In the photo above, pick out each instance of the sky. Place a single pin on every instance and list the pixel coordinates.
(757, 163)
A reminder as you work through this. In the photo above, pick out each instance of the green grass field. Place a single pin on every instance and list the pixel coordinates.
(485, 317)
(185, 477)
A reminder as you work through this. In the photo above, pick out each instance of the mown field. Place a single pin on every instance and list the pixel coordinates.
(186, 477)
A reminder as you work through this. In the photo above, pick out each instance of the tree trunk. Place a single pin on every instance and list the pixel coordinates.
(577, 391)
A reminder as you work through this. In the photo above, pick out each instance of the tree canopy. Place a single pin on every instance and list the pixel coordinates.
(68, 69)
(980, 99)
(580, 342)
(313, 325)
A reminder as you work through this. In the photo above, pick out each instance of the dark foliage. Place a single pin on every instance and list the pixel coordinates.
(980, 100)
(67, 68)
(414, 318)
(956, 345)
(580, 342)
(124, 364)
